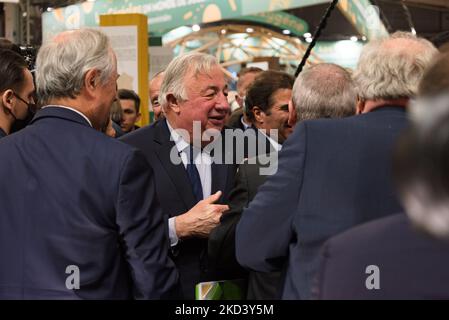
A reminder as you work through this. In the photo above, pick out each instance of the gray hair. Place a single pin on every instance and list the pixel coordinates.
(62, 64)
(391, 68)
(174, 79)
(324, 90)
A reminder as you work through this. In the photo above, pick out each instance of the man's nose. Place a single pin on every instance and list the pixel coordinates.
(222, 102)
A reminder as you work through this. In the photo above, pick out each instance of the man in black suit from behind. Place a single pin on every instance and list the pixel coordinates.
(403, 256)
(334, 173)
(79, 216)
(191, 192)
(321, 91)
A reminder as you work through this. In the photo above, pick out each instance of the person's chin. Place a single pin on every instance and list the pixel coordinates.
(216, 124)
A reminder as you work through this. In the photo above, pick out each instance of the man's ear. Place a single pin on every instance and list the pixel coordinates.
(173, 103)
(91, 80)
(139, 115)
(360, 106)
(292, 115)
(8, 99)
(259, 115)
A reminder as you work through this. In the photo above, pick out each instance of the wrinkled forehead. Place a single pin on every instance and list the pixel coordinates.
(215, 76)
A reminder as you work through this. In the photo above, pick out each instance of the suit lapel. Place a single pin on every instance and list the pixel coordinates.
(176, 172)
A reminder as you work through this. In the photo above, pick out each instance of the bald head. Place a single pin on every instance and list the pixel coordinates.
(155, 88)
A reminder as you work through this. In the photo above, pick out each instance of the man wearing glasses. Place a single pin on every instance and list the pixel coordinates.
(16, 90)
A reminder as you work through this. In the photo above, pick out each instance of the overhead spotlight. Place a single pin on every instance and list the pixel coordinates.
(24, 14)
(223, 31)
(196, 28)
(249, 30)
(354, 39)
(309, 40)
(364, 38)
(307, 35)
(414, 31)
(286, 31)
(49, 9)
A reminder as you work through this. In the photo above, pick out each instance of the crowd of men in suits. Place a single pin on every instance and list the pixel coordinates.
(159, 210)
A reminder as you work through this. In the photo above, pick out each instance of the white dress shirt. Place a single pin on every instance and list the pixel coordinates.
(277, 146)
(203, 162)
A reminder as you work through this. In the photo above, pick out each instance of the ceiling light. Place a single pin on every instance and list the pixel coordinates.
(286, 31)
(223, 31)
(309, 40)
(249, 30)
(354, 39)
(196, 28)
(307, 35)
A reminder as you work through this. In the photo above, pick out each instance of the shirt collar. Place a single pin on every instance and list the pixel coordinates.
(277, 146)
(69, 108)
(245, 125)
(180, 143)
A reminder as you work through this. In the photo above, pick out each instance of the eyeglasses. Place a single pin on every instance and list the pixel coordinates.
(31, 105)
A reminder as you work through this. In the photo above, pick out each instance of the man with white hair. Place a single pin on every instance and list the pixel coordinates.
(409, 251)
(324, 90)
(79, 217)
(190, 186)
(334, 173)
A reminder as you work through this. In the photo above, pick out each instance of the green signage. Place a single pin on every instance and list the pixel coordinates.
(164, 15)
(282, 20)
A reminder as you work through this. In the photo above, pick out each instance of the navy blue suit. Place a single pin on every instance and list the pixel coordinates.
(333, 174)
(73, 196)
(175, 194)
(411, 264)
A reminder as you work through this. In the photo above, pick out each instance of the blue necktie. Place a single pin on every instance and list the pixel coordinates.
(194, 176)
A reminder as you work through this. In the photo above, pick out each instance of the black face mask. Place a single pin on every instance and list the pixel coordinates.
(19, 124)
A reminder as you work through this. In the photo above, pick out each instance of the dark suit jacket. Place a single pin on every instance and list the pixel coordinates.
(333, 174)
(176, 197)
(235, 120)
(222, 239)
(2, 133)
(412, 265)
(261, 285)
(73, 196)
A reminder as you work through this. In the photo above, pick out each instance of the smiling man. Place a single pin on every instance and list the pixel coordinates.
(192, 189)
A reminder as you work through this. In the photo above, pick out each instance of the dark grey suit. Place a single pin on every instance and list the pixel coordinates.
(411, 264)
(175, 194)
(71, 196)
(333, 174)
